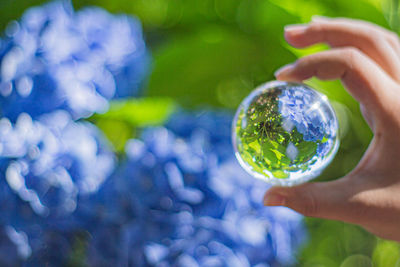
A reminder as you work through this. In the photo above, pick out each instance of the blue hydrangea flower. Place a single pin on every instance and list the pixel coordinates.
(46, 167)
(50, 247)
(295, 104)
(246, 234)
(181, 199)
(276, 231)
(55, 58)
(48, 163)
(14, 246)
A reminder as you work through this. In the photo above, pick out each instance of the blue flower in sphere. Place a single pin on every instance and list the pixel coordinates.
(55, 58)
(295, 104)
(181, 199)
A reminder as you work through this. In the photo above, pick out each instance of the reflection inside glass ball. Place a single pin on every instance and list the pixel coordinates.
(285, 133)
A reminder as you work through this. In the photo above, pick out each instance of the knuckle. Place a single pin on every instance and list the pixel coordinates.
(361, 208)
(351, 52)
(309, 211)
(317, 26)
(302, 61)
(376, 39)
(307, 204)
(320, 29)
(360, 213)
(351, 55)
(393, 38)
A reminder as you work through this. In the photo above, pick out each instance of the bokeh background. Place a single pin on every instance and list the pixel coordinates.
(115, 135)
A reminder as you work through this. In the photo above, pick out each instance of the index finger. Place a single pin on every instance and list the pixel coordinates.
(364, 80)
(373, 41)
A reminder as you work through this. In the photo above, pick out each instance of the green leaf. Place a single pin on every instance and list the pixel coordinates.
(117, 132)
(124, 117)
(256, 146)
(280, 174)
(249, 159)
(278, 154)
(139, 112)
(386, 253)
(306, 150)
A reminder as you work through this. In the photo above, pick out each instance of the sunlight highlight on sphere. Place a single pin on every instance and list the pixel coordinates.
(285, 133)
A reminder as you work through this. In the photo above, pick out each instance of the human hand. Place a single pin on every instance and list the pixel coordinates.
(366, 58)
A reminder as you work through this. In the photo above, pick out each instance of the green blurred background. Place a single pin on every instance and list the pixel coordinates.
(212, 53)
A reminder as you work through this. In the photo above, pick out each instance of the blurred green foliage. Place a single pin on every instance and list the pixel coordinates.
(124, 116)
(213, 53)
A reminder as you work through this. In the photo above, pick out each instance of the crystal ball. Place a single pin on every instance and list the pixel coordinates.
(285, 133)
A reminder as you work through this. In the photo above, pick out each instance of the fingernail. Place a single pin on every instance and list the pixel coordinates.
(295, 29)
(283, 69)
(317, 18)
(274, 200)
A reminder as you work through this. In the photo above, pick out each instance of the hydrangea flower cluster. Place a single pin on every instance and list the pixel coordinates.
(57, 66)
(45, 167)
(14, 246)
(181, 199)
(55, 58)
(47, 163)
(298, 106)
(295, 104)
(178, 197)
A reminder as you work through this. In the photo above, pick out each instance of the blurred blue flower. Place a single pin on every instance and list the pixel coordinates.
(14, 246)
(54, 58)
(46, 166)
(48, 163)
(181, 199)
(178, 198)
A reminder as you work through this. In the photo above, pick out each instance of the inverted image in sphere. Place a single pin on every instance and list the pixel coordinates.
(285, 133)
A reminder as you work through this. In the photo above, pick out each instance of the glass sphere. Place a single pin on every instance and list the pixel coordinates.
(285, 133)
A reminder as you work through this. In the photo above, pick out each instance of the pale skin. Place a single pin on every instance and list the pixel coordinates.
(366, 58)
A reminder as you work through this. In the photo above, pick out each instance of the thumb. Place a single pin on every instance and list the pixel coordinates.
(329, 200)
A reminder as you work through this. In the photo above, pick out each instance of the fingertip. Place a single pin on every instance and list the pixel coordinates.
(295, 29)
(288, 73)
(284, 71)
(291, 39)
(293, 34)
